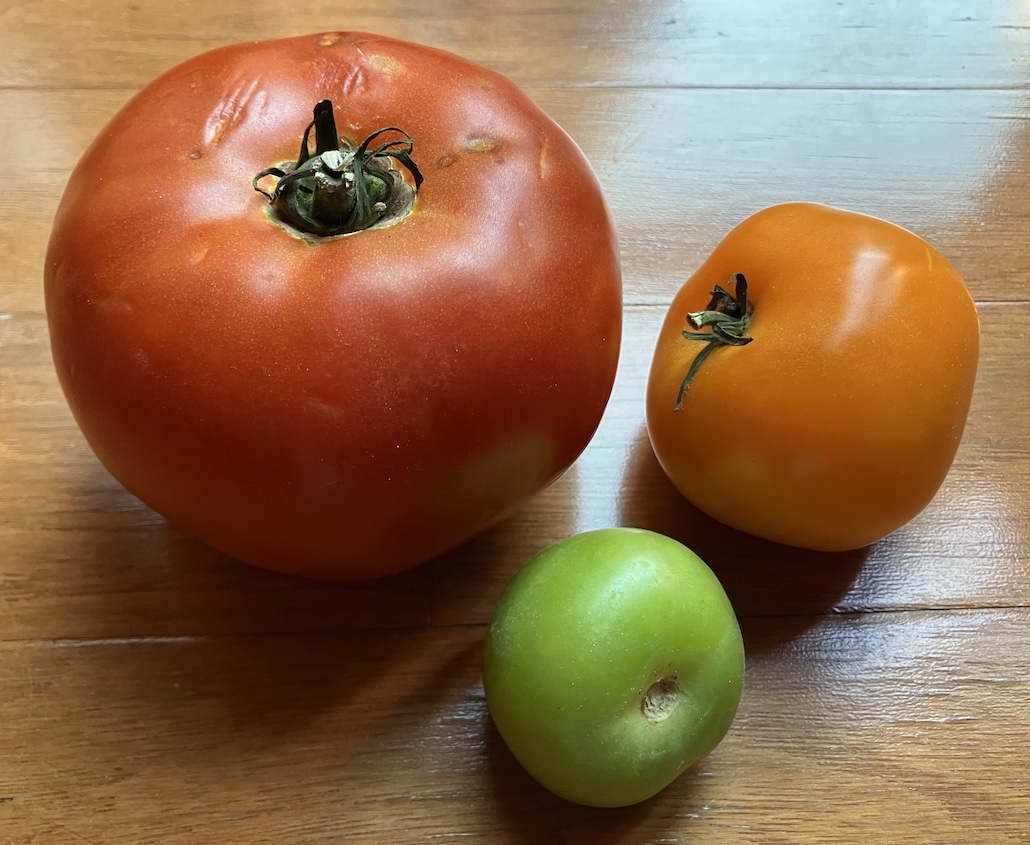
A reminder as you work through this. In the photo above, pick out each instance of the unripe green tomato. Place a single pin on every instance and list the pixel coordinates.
(613, 662)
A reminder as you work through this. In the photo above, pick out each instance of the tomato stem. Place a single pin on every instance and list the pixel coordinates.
(339, 189)
(728, 317)
(326, 137)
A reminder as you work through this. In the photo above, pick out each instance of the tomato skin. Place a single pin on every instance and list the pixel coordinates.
(838, 422)
(355, 407)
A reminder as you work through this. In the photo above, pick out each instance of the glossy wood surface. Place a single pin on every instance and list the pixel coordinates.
(152, 691)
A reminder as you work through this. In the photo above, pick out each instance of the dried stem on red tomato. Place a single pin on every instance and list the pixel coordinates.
(727, 316)
(338, 189)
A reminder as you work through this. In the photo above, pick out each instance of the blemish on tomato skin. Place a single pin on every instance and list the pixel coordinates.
(333, 39)
(483, 145)
(233, 109)
(446, 160)
(352, 82)
(141, 360)
(523, 236)
(386, 65)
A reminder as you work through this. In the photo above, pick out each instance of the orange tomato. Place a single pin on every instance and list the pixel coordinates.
(836, 423)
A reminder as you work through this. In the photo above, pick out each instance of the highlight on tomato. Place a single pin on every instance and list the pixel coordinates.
(335, 303)
(811, 381)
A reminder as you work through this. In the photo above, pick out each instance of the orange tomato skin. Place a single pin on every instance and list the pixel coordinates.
(838, 423)
(351, 408)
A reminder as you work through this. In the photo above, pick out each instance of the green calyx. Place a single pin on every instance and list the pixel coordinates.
(339, 189)
(727, 317)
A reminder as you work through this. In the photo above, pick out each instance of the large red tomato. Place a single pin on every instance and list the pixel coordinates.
(820, 397)
(336, 405)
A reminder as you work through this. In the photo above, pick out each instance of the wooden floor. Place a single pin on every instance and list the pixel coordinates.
(152, 691)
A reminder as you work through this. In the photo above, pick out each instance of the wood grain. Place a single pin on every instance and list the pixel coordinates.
(849, 148)
(153, 691)
(384, 737)
(783, 44)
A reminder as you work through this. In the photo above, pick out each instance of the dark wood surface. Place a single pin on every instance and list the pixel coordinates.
(152, 691)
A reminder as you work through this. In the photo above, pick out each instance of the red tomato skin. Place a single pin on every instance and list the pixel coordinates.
(838, 422)
(351, 408)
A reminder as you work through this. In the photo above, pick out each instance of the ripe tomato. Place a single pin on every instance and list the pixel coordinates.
(836, 423)
(337, 405)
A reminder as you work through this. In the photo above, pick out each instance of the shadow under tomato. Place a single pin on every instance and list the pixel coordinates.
(321, 709)
(787, 588)
(224, 647)
(534, 816)
(468, 580)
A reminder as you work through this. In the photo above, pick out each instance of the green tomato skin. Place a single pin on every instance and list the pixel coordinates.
(578, 638)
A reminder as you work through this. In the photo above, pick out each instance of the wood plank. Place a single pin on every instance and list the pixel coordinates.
(965, 550)
(84, 558)
(850, 148)
(895, 723)
(785, 43)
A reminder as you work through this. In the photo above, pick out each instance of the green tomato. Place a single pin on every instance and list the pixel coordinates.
(613, 662)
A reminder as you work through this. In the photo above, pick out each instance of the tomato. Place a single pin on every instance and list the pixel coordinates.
(613, 662)
(832, 409)
(335, 403)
